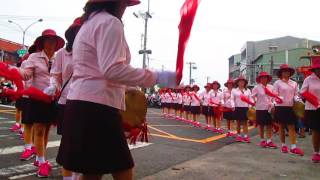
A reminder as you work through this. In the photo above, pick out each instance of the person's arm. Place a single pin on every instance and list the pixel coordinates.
(110, 44)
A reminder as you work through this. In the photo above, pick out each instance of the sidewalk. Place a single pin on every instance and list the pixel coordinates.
(241, 161)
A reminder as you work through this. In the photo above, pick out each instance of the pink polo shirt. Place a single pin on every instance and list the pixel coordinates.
(205, 96)
(36, 69)
(227, 98)
(216, 97)
(60, 72)
(186, 99)
(263, 101)
(27, 83)
(287, 91)
(194, 100)
(179, 98)
(236, 100)
(101, 60)
(311, 84)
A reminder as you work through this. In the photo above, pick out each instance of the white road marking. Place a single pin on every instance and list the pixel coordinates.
(10, 135)
(7, 122)
(25, 170)
(6, 106)
(19, 149)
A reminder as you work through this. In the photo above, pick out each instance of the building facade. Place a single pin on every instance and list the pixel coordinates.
(8, 51)
(256, 56)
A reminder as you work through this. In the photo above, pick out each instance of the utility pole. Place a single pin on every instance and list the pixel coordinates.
(191, 66)
(146, 17)
(208, 79)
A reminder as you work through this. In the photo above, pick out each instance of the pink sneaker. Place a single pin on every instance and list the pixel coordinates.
(316, 158)
(33, 148)
(215, 130)
(239, 139)
(284, 149)
(229, 134)
(247, 140)
(15, 128)
(196, 124)
(26, 155)
(263, 144)
(272, 145)
(220, 131)
(297, 151)
(36, 163)
(44, 170)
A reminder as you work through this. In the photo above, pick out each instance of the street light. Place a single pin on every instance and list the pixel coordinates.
(24, 30)
(191, 66)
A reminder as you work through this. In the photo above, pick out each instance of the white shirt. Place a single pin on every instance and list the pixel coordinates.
(169, 97)
(101, 58)
(179, 98)
(263, 101)
(195, 98)
(311, 84)
(287, 91)
(227, 98)
(205, 97)
(216, 97)
(162, 98)
(186, 99)
(236, 100)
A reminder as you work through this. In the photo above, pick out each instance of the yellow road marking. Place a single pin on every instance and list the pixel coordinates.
(151, 127)
(169, 125)
(7, 111)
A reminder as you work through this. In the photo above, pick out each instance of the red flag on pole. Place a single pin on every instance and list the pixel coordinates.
(188, 12)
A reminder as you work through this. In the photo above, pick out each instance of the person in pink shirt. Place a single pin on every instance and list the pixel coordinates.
(170, 102)
(186, 101)
(162, 93)
(264, 104)
(61, 73)
(38, 68)
(216, 101)
(205, 97)
(312, 110)
(179, 103)
(241, 108)
(195, 104)
(287, 90)
(228, 109)
(101, 73)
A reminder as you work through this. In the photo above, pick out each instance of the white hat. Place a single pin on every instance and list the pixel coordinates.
(130, 2)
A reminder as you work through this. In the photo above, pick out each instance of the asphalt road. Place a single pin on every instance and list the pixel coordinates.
(171, 143)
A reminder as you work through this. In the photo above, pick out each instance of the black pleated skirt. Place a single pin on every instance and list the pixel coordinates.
(240, 113)
(312, 119)
(263, 117)
(93, 141)
(285, 115)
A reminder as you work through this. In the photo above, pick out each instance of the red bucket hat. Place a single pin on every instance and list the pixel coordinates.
(49, 33)
(187, 86)
(208, 85)
(315, 65)
(241, 78)
(230, 81)
(130, 2)
(285, 67)
(216, 82)
(264, 74)
(195, 87)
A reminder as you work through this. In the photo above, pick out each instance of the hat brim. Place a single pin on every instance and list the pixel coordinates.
(268, 76)
(237, 81)
(312, 68)
(40, 40)
(219, 85)
(291, 70)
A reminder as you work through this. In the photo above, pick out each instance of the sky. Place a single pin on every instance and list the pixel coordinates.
(220, 29)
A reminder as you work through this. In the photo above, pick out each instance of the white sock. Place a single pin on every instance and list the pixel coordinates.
(76, 176)
(245, 136)
(239, 135)
(283, 145)
(268, 140)
(37, 158)
(293, 146)
(262, 140)
(68, 178)
(41, 160)
(28, 146)
(17, 124)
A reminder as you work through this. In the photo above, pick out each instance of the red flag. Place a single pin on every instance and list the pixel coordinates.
(37, 94)
(247, 100)
(311, 98)
(188, 12)
(271, 94)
